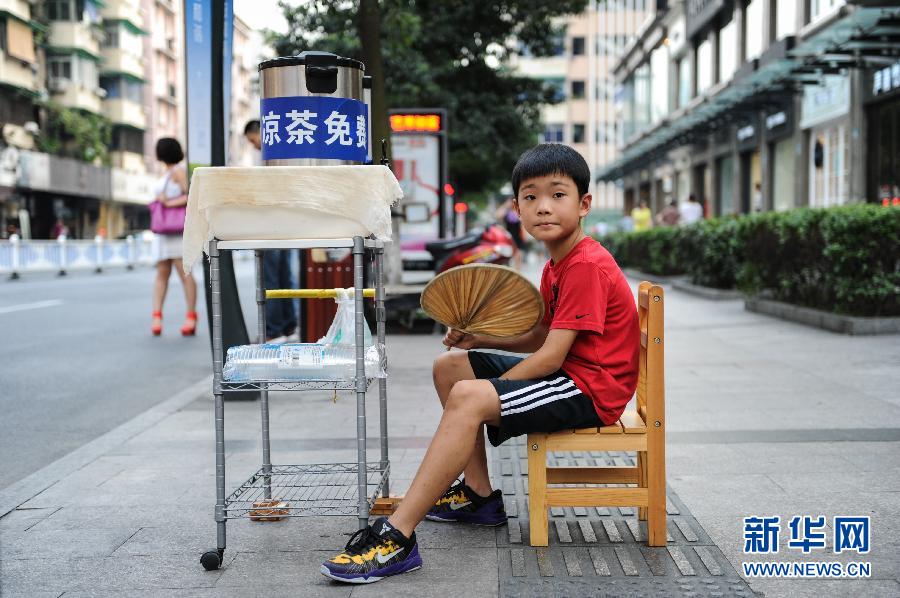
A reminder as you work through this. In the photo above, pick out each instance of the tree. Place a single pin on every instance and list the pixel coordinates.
(450, 54)
(74, 133)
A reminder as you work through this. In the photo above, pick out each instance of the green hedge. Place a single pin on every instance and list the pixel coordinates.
(844, 260)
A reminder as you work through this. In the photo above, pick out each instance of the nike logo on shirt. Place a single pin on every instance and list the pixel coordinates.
(581, 316)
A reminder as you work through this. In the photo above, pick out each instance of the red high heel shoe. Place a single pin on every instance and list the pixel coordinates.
(190, 329)
(156, 327)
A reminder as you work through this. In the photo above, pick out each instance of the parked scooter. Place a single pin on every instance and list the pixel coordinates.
(491, 245)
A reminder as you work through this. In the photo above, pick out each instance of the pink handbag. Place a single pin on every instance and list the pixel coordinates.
(164, 220)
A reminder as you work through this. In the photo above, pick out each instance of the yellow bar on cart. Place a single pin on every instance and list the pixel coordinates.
(309, 293)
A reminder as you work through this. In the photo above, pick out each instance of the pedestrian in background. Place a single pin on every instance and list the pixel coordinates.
(506, 213)
(171, 190)
(59, 229)
(669, 215)
(757, 198)
(691, 210)
(642, 217)
(281, 318)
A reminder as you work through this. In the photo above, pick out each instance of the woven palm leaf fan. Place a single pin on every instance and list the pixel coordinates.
(484, 299)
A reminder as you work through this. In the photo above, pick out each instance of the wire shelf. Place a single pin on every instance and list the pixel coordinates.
(293, 385)
(308, 490)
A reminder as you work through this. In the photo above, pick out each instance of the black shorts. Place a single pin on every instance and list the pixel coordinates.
(548, 404)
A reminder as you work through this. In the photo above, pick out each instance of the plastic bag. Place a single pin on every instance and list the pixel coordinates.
(343, 327)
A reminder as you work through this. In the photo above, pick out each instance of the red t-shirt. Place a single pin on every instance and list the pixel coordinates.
(586, 291)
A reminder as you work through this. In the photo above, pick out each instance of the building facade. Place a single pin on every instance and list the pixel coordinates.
(244, 98)
(759, 105)
(581, 73)
(112, 63)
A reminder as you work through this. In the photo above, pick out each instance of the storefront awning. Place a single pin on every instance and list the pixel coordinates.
(864, 37)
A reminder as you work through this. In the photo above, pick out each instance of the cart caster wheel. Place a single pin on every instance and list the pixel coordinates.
(211, 560)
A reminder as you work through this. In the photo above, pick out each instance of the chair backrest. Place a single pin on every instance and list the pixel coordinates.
(651, 386)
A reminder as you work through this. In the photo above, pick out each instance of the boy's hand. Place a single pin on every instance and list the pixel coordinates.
(459, 339)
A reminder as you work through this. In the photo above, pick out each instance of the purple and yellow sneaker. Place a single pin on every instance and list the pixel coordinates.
(374, 553)
(461, 504)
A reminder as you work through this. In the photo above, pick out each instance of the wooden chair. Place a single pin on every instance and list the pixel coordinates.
(642, 431)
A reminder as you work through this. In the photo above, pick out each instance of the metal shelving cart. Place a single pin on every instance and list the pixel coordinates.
(311, 489)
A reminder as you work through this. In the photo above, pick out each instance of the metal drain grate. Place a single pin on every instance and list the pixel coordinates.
(600, 551)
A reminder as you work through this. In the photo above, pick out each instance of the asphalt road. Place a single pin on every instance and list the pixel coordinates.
(77, 359)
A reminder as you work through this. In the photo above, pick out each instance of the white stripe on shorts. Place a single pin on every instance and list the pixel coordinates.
(507, 396)
(535, 395)
(549, 399)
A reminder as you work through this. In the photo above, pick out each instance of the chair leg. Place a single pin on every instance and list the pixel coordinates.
(656, 490)
(537, 489)
(642, 483)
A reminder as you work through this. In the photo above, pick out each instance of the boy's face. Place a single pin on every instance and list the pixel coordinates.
(550, 207)
(254, 139)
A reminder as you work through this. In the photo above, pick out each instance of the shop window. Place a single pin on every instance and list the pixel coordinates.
(725, 180)
(783, 175)
(828, 156)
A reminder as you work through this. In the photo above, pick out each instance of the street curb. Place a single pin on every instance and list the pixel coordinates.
(707, 292)
(654, 278)
(27, 488)
(822, 319)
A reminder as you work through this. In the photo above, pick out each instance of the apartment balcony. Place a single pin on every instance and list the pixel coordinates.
(125, 112)
(165, 91)
(116, 60)
(128, 161)
(64, 34)
(16, 73)
(131, 185)
(165, 44)
(75, 95)
(21, 9)
(124, 10)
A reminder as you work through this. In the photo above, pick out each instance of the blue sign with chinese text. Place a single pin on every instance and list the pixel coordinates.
(313, 127)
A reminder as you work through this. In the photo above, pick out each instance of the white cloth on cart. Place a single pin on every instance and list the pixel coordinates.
(363, 194)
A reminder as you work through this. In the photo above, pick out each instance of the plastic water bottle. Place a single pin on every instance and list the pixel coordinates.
(297, 361)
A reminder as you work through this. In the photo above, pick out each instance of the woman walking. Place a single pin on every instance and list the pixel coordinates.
(171, 192)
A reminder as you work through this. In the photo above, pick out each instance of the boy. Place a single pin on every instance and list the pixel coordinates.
(581, 373)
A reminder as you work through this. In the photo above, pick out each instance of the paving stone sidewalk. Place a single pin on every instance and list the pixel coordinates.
(764, 417)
